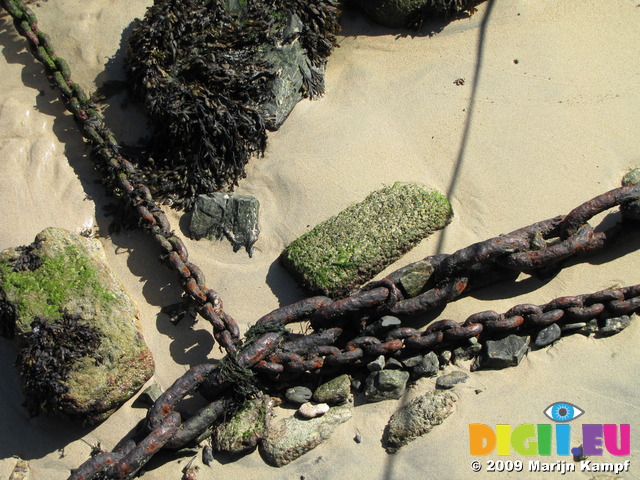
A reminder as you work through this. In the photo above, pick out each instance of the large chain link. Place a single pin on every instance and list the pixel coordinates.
(123, 177)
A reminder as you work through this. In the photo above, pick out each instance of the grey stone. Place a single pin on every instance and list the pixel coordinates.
(467, 353)
(417, 276)
(63, 279)
(445, 357)
(382, 325)
(411, 362)
(451, 379)
(309, 410)
(548, 335)
(151, 394)
(614, 325)
(334, 392)
(428, 367)
(394, 364)
(385, 385)
(377, 365)
(405, 13)
(244, 429)
(298, 395)
(567, 327)
(229, 215)
(291, 437)
(417, 418)
(590, 328)
(506, 352)
(631, 210)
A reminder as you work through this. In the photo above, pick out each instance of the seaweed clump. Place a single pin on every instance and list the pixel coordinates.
(48, 354)
(206, 69)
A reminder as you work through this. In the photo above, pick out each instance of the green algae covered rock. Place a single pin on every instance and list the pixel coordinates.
(350, 248)
(81, 353)
(245, 428)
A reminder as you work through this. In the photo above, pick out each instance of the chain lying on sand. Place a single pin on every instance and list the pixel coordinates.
(348, 332)
(123, 178)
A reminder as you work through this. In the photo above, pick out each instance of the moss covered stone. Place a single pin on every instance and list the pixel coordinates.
(350, 248)
(245, 428)
(81, 350)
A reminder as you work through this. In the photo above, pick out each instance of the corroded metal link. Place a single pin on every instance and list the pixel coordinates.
(208, 312)
(481, 252)
(461, 332)
(296, 312)
(195, 426)
(546, 318)
(624, 307)
(400, 333)
(187, 384)
(385, 348)
(583, 241)
(333, 315)
(603, 296)
(504, 324)
(259, 349)
(585, 313)
(344, 358)
(441, 325)
(563, 303)
(429, 340)
(431, 299)
(361, 342)
(524, 309)
(132, 462)
(95, 466)
(122, 175)
(581, 214)
(269, 367)
(482, 317)
(303, 344)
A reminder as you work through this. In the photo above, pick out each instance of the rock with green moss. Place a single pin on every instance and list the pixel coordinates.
(245, 428)
(81, 352)
(631, 210)
(334, 392)
(410, 13)
(350, 248)
(292, 437)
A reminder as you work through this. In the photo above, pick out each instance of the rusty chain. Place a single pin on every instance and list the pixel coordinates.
(276, 353)
(123, 177)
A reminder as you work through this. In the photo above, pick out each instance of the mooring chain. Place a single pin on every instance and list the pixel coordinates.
(275, 353)
(123, 177)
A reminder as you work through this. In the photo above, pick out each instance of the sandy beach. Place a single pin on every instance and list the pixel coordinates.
(546, 119)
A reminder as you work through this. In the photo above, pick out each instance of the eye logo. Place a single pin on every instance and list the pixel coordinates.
(563, 412)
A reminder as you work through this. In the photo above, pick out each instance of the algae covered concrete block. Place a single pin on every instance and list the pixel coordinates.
(81, 352)
(350, 248)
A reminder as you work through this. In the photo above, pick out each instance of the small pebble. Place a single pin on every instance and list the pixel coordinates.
(308, 410)
(357, 438)
(548, 335)
(207, 455)
(478, 391)
(377, 365)
(451, 379)
(298, 395)
(393, 364)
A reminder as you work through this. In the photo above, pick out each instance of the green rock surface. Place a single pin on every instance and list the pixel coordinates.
(244, 429)
(291, 438)
(348, 249)
(81, 352)
(335, 391)
(417, 418)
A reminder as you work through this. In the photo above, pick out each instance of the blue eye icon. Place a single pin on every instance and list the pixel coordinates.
(563, 412)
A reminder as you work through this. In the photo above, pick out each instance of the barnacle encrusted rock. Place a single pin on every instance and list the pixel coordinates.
(417, 418)
(291, 438)
(409, 13)
(350, 248)
(81, 352)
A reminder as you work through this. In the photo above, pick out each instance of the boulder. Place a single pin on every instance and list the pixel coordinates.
(335, 391)
(81, 352)
(506, 352)
(348, 249)
(291, 437)
(417, 418)
(244, 429)
(229, 215)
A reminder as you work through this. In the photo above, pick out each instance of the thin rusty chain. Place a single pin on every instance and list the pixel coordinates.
(123, 177)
